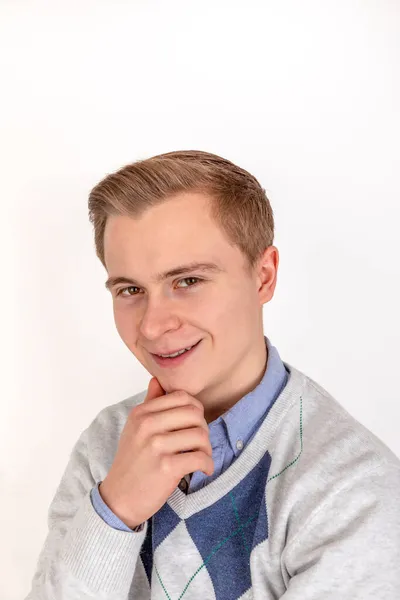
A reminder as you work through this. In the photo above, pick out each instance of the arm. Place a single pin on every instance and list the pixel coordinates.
(349, 548)
(83, 557)
(107, 514)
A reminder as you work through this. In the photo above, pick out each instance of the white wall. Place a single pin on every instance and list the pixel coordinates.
(306, 95)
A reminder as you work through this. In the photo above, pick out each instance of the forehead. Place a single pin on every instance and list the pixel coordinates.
(180, 230)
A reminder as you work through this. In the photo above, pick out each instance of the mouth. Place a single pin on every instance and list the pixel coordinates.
(176, 360)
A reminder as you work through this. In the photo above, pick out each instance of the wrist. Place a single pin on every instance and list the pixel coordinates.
(117, 509)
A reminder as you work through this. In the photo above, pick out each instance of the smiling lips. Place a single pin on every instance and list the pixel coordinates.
(175, 360)
(167, 354)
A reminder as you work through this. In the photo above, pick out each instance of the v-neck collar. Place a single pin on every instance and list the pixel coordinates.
(187, 505)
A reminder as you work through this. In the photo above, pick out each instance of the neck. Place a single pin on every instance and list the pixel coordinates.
(245, 376)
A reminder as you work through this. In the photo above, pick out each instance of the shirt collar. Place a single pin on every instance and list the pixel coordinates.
(242, 419)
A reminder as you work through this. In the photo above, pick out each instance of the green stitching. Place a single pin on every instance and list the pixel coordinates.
(162, 585)
(297, 457)
(301, 444)
(238, 520)
(219, 546)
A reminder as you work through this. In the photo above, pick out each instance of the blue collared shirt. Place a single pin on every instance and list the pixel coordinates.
(233, 430)
(229, 433)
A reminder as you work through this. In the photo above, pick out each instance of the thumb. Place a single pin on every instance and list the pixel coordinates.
(154, 390)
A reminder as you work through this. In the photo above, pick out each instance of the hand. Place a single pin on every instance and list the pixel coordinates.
(164, 438)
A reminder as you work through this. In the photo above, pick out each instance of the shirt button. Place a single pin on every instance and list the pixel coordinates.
(183, 485)
(239, 445)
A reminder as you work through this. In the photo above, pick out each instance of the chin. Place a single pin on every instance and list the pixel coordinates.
(189, 387)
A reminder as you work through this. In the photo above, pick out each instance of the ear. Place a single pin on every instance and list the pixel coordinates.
(267, 272)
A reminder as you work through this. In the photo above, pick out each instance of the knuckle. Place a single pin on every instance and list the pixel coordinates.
(198, 404)
(206, 459)
(203, 434)
(195, 402)
(156, 444)
(166, 465)
(208, 463)
(143, 425)
(135, 412)
(189, 399)
(192, 408)
(196, 416)
(181, 394)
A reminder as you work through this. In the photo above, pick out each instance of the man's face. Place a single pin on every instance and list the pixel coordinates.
(221, 309)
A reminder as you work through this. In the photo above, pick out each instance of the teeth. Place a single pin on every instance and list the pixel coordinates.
(176, 353)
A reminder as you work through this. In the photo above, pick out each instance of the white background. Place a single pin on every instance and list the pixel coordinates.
(305, 95)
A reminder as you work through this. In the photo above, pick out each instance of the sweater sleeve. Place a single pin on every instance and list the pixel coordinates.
(349, 548)
(105, 512)
(82, 556)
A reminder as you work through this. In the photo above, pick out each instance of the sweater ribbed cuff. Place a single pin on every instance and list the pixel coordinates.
(102, 558)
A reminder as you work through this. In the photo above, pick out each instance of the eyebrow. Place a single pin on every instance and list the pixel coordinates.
(206, 267)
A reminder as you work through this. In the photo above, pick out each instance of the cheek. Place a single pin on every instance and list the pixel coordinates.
(237, 308)
(207, 312)
(125, 324)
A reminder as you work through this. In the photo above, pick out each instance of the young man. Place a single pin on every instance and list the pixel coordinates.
(234, 475)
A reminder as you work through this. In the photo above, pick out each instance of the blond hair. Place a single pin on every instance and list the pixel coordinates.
(239, 205)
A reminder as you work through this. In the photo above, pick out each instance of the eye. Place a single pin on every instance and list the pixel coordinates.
(131, 287)
(196, 279)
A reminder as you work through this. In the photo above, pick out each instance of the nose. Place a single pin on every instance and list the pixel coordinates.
(159, 316)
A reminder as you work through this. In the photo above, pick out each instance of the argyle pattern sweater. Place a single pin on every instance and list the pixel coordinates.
(309, 510)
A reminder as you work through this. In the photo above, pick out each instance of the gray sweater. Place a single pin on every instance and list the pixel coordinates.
(309, 511)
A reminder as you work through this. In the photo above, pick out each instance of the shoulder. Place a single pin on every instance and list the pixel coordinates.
(321, 454)
(326, 446)
(335, 432)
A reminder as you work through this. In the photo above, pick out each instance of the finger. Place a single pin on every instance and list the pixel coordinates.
(174, 419)
(173, 400)
(195, 438)
(189, 462)
(154, 390)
